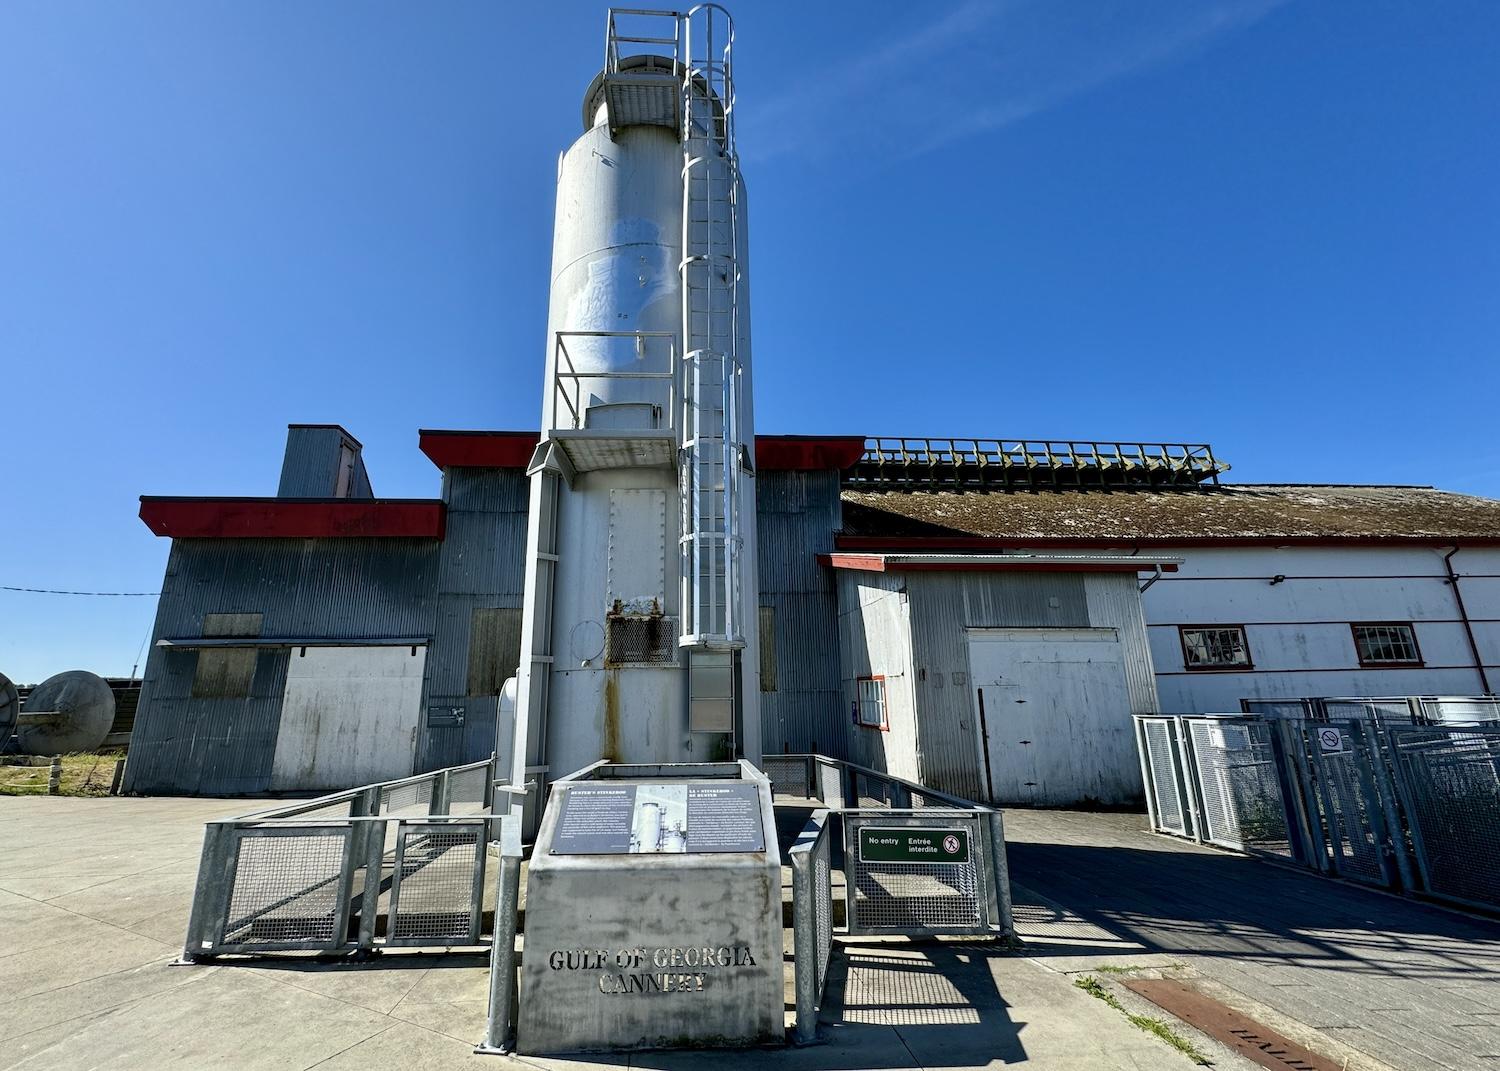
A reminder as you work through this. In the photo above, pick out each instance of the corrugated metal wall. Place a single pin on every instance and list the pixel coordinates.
(942, 606)
(797, 515)
(310, 466)
(331, 588)
(1115, 602)
(481, 565)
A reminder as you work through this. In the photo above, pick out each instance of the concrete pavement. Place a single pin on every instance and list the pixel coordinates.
(94, 897)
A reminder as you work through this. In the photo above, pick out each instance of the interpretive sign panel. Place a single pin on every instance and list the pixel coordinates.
(904, 844)
(655, 819)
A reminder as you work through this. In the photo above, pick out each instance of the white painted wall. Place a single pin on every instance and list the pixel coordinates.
(875, 641)
(1299, 629)
(348, 718)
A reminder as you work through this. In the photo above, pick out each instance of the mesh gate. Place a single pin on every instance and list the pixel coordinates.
(289, 889)
(437, 888)
(1451, 793)
(1347, 801)
(1161, 761)
(926, 897)
(1243, 807)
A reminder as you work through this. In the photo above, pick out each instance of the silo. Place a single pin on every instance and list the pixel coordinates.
(639, 638)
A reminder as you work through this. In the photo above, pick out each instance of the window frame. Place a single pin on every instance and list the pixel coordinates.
(1414, 663)
(1248, 665)
(884, 725)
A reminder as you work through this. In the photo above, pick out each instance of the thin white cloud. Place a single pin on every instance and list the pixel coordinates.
(978, 67)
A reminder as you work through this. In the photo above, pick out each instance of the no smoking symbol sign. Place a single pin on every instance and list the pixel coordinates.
(1331, 739)
(950, 844)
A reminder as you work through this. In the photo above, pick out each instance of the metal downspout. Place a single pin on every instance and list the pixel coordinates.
(1153, 580)
(1458, 597)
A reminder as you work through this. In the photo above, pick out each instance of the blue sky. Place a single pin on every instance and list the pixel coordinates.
(1274, 227)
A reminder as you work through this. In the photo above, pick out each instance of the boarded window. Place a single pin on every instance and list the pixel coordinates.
(226, 672)
(494, 648)
(768, 648)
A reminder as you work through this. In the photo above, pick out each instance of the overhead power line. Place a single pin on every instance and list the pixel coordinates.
(52, 591)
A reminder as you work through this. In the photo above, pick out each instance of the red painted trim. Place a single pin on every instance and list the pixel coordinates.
(885, 715)
(807, 453)
(478, 449)
(293, 518)
(993, 544)
(875, 563)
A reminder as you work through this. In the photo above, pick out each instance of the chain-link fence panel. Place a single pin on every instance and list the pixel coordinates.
(1243, 806)
(1449, 782)
(1157, 737)
(788, 774)
(1341, 755)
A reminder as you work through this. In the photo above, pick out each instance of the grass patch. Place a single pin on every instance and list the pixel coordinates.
(1159, 1027)
(83, 774)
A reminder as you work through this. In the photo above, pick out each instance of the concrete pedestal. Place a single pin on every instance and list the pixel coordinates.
(646, 939)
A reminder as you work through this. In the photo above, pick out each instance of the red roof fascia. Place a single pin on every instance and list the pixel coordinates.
(293, 518)
(478, 449)
(807, 453)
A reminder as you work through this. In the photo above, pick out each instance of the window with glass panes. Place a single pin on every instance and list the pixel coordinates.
(870, 703)
(1215, 647)
(1386, 643)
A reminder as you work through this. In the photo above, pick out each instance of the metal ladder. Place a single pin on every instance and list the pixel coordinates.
(712, 543)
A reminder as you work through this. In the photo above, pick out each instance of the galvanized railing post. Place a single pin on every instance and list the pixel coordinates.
(804, 943)
(501, 1019)
(210, 894)
(442, 793)
(1000, 871)
(374, 857)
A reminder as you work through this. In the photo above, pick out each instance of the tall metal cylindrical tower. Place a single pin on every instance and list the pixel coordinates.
(639, 634)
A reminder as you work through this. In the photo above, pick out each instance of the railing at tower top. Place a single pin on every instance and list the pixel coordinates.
(568, 382)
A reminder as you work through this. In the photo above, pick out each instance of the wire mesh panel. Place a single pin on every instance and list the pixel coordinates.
(899, 879)
(466, 790)
(1350, 809)
(871, 791)
(788, 774)
(1450, 786)
(823, 893)
(289, 889)
(1161, 759)
(438, 884)
(1243, 806)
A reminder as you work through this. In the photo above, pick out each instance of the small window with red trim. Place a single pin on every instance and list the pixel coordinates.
(869, 703)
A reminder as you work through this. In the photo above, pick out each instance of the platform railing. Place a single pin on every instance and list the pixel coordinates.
(968, 893)
(397, 863)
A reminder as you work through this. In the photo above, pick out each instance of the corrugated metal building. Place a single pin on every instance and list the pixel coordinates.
(970, 615)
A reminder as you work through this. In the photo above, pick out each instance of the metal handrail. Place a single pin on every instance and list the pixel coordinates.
(812, 919)
(575, 403)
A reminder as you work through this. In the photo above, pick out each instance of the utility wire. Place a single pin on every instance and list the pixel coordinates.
(50, 591)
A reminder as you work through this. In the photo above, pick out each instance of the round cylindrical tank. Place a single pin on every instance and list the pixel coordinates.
(650, 829)
(71, 711)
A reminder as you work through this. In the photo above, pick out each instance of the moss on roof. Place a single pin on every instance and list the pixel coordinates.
(1231, 511)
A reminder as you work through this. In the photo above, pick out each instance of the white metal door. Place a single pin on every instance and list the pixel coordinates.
(349, 717)
(1053, 714)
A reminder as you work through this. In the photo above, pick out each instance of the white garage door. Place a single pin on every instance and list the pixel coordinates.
(349, 717)
(1053, 715)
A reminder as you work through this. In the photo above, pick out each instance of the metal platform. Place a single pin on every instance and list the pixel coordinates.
(592, 450)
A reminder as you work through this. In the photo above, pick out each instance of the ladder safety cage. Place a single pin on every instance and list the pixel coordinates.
(648, 52)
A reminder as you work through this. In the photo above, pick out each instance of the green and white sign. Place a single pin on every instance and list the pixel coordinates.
(908, 844)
